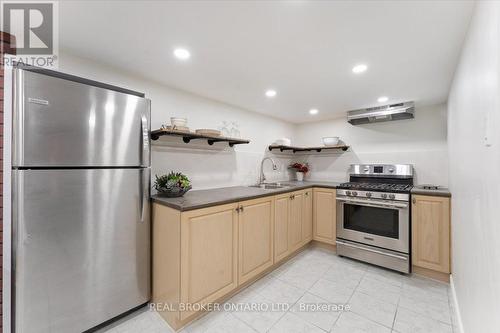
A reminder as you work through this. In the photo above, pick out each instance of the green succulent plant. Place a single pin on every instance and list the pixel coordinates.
(171, 181)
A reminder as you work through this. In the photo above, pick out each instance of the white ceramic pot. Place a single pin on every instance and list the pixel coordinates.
(300, 176)
(283, 142)
(331, 141)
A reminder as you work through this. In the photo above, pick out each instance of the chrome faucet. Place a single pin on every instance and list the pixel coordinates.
(262, 178)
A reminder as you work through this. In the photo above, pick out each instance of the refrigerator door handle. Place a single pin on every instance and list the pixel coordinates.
(18, 118)
(19, 232)
(145, 153)
(144, 193)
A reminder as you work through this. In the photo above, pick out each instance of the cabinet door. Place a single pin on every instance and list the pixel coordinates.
(431, 232)
(324, 215)
(295, 221)
(209, 250)
(307, 217)
(281, 217)
(256, 224)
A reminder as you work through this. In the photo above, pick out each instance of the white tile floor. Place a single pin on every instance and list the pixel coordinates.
(380, 301)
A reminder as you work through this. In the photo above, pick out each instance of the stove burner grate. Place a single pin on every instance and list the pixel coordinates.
(376, 186)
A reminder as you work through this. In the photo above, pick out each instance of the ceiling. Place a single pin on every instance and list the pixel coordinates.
(305, 50)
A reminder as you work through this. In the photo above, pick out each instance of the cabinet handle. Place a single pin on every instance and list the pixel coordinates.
(307, 194)
(414, 200)
(241, 208)
(237, 209)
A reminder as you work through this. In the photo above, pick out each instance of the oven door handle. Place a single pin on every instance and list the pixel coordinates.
(373, 250)
(374, 203)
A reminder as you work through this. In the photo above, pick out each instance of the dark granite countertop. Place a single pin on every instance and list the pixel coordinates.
(440, 192)
(224, 195)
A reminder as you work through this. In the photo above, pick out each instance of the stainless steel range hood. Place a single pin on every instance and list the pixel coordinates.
(382, 113)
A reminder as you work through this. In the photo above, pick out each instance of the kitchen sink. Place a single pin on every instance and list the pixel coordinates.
(271, 186)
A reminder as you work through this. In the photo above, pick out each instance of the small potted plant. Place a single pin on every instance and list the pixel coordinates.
(175, 184)
(300, 170)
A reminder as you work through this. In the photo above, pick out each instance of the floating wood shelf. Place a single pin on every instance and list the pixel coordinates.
(316, 149)
(188, 136)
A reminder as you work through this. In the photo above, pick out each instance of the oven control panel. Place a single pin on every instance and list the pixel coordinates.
(373, 195)
(401, 170)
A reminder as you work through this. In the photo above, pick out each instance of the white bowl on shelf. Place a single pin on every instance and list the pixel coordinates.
(178, 122)
(331, 140)
(207, 131)
(283, 142)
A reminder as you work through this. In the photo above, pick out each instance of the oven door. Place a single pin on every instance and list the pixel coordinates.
(374, 222)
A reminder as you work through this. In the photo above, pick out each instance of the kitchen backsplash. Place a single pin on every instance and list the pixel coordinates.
(217, 168)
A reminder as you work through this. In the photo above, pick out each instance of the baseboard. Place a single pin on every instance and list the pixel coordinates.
(315, 243)
(429, 273)
(455, 306)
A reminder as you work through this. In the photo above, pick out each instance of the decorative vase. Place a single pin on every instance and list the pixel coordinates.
(174, 192)
(300, 176)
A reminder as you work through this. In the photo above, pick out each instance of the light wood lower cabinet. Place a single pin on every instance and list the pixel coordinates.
(431, 232)
(307, 216)
(281, 218)
(166, 261)
(292, 226)
(209, 250)
(203, 255)
(324, 215)
(256, 237)
(295, 221)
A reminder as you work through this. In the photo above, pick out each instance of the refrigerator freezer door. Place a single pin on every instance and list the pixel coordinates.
(64, 123)
(81, 247)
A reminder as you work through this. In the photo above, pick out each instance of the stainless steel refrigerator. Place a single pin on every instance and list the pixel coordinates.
(80, 201)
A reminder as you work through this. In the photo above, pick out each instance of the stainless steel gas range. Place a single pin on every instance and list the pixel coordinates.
(373, 215)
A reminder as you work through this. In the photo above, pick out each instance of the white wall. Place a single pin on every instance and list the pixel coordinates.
(216, 167)
(420, 141)
(473, 113)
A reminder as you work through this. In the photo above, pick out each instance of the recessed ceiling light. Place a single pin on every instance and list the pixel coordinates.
(182, 54)
(313, 111)
(359, 68)
(271, 93)
(382, 99)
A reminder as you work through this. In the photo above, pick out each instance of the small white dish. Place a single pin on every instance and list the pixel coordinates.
(179, 122)
(331, 141)
(283, 142)
(207, 131)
